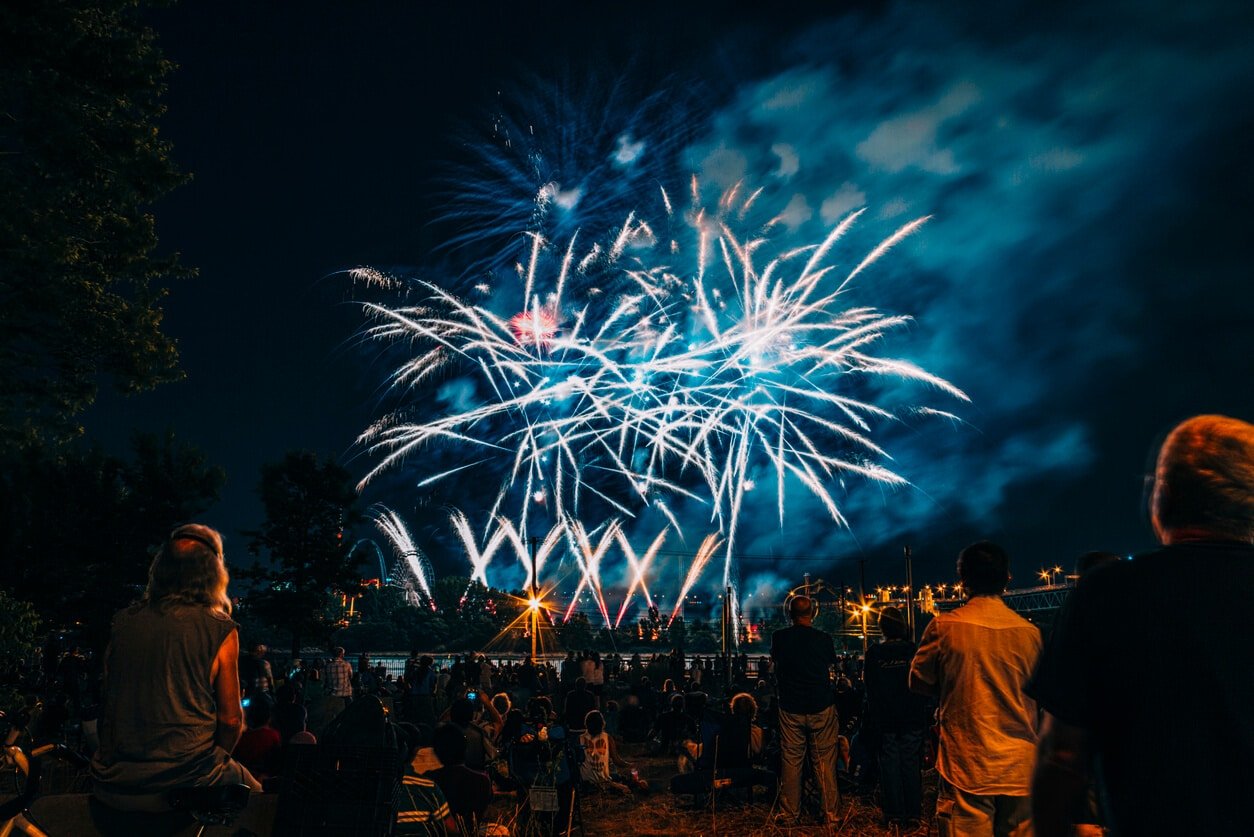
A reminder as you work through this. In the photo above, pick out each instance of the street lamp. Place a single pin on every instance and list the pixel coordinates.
(533, 598)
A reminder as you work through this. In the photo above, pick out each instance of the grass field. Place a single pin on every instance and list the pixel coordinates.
(662, 814)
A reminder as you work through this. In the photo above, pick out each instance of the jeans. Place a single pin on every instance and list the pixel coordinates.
(819, 731)
(901, 774)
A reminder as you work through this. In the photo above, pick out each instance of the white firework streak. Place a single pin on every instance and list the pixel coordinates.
(479, 557)
(639, 566)
(690, 379)
(397, 533)
(522, 551)
(704, 552)
(589, 559)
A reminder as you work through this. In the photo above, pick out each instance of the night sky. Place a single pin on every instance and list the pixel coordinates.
(1085, 277)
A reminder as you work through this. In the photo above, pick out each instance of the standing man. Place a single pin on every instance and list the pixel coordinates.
(340, 680)
(254, 669)
(1176, 753)
(803, 658)
(977, 660)
(898, 718)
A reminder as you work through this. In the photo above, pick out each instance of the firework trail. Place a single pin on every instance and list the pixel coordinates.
(479, 557)
(544, 548)
(665, 362)
(639, 566)
(707, 549)
(397, 533)
(589, 559)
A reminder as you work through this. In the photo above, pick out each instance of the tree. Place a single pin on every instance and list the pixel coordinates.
(19, 629)
(309, 506)
(77, 525)
(576, 632)
(701, 638)
(81, 161)
(456, 595)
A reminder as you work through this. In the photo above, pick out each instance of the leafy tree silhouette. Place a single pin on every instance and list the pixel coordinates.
(310, 508)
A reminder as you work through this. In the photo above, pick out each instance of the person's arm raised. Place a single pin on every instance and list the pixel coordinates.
(225, 677)
(493, 716)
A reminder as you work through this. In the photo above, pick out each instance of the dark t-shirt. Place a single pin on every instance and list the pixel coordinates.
(468, 792)
(633, 722)
(891, 706)
(159, 708)
(1175, 745)
(803, 656)
(578, 705)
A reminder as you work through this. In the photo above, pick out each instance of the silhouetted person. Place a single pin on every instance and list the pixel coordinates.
(1176, 753)
(171, 712)
(897, 717)
(578, 704)
(469, 792)
(1090, 561)
(254, 670)
(803, 658)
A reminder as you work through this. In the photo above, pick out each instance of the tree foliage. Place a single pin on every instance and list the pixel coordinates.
(19, 638)
(77, 525)
(81, 163)
(310, 506)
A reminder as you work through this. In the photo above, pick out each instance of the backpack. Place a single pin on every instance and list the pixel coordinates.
(363, 723)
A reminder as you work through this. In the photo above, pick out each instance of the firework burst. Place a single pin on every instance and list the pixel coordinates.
(667, 364)
(415, 563)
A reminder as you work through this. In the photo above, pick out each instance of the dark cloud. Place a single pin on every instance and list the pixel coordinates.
(1048, 149)
(1084, 276)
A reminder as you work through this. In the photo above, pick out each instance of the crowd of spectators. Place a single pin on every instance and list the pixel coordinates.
(1024, 734)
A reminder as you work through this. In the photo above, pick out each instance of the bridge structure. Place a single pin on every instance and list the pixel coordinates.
(1028, 602)
(1038, 605)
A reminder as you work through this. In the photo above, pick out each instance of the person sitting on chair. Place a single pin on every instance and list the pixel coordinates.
(728, 759)
(673, 728)
(170, 711)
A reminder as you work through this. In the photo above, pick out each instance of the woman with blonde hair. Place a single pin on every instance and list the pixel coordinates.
(171, 711)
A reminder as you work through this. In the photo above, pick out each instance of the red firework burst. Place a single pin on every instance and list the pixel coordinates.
(534, 328)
